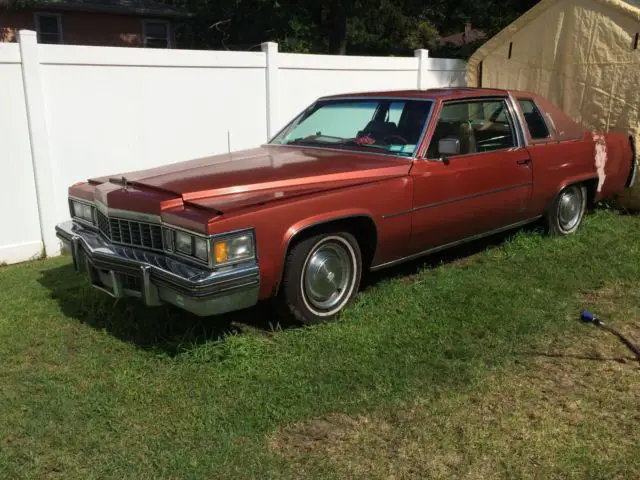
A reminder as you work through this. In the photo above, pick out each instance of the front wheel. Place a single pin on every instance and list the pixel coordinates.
(567, 211)
(322, 276)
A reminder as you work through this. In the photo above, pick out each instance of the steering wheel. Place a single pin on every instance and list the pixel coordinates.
(398, 137)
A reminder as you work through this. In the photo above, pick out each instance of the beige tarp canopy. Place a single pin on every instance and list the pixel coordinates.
(583, 55)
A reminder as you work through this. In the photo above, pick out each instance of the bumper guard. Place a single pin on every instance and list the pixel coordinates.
(156, 278)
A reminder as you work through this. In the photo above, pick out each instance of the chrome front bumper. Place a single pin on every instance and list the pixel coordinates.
(156, 278)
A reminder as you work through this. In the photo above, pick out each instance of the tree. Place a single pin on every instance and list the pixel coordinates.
(382, 27)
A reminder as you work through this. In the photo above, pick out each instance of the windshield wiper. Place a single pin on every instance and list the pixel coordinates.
(299, 141)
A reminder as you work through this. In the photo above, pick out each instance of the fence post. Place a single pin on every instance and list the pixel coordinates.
(39, 140)
(271, 51)
(423, 68)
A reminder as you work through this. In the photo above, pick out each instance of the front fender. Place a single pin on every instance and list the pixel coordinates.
(316, 221)
(321, 219)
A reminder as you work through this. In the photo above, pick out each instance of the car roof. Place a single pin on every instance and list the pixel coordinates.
(429, 94)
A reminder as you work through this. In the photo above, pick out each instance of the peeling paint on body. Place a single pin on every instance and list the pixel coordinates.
(600, 156)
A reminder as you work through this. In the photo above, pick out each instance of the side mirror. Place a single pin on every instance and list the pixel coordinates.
(449, 146)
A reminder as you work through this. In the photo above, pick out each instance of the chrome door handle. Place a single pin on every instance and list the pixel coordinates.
(526, 161)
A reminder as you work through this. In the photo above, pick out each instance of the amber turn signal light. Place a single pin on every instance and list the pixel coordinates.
(221, 251)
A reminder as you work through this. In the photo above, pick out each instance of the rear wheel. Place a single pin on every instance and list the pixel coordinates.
(567, 211)
(322, 276)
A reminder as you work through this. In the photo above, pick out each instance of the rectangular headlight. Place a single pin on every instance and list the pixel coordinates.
(219, 250)
(235, 248)
(201, 248)
(83, 211)
(184, 243)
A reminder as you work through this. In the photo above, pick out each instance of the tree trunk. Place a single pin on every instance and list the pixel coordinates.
(338, 34)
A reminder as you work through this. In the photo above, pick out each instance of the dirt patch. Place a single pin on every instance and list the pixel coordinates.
(612, 300)
(319, 433)
(569, 406)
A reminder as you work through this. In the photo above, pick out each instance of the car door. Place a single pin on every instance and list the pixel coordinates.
(481, 183)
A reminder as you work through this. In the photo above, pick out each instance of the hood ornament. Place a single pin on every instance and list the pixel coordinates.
(125, 184)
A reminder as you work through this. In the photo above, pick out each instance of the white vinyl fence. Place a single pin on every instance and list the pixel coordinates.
(68, 113)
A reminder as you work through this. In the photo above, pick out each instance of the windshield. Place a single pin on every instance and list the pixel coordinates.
(392, 126)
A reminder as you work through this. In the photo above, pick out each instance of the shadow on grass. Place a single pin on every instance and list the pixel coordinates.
(592, 358)
(171, 331)
(165, 329)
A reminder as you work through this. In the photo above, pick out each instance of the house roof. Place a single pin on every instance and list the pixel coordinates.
(630, 8)
(462, 38)
(138, 7)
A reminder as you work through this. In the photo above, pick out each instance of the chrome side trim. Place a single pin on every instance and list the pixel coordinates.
(399, 214)
(553, 125)
(458, 199)
(518, 125)
(454, 244)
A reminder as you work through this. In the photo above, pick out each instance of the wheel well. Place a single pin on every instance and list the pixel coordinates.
(362, 228)
(592, 186)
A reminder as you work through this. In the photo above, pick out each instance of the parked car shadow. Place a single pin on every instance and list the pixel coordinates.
(171, 330)
(167, 329)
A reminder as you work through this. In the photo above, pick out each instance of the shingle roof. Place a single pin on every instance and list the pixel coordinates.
(462, 38)
(141, 7)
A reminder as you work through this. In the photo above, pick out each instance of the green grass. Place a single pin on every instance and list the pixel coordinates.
(405, 384)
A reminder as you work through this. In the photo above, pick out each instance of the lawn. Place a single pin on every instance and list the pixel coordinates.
(471, 365)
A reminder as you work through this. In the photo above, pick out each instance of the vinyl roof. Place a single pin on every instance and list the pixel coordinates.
(442, 93)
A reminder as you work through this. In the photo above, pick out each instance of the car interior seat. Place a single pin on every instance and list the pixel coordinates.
(379, 130)
(467, 139)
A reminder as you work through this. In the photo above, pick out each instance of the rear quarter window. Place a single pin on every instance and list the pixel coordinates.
(533, 117)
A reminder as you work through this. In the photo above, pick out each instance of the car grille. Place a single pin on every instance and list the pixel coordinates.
(131, 233)
(103, 224)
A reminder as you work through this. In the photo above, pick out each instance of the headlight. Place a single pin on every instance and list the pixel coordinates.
(233, 249)
(83, 211)
(184, 243)
(219, 250)
(201, 248)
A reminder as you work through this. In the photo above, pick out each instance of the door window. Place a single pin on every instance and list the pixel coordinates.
(535, 122)
(477, 126)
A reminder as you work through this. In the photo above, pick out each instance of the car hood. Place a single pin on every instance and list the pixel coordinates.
(228, 182)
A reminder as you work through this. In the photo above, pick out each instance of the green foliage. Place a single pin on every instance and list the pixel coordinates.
(380, 27)
(20, 4)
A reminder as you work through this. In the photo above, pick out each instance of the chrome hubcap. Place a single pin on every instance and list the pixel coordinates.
(570, 208)
(327, 275)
